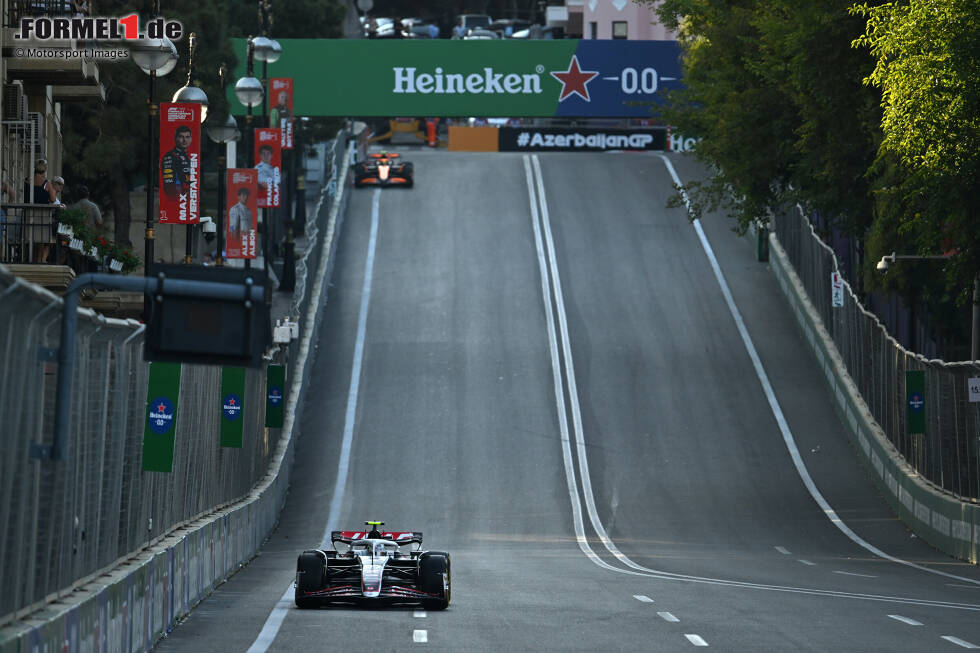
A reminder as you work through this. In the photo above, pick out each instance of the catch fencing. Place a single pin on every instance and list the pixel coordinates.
(67, 521)
(947, 455)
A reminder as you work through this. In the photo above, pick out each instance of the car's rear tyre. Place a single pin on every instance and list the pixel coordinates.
(310, 568)
(435, 578)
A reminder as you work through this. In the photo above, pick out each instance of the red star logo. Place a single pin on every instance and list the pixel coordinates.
(161, 408)
(574, 80)
(231, 401)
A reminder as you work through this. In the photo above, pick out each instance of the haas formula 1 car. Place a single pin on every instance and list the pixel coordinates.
(384, 169)
(373, 568)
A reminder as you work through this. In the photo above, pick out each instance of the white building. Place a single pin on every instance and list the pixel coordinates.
(608, 19)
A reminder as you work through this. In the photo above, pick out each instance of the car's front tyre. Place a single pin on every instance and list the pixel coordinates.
(435, 578)
(310, 568)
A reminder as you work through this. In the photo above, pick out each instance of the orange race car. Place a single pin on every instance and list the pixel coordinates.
(384, 169)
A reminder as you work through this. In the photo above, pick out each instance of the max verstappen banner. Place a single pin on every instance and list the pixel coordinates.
(281, 113)
(510, 77)
(585, 139)
(180, 163)
(240, 213)
(268, 153)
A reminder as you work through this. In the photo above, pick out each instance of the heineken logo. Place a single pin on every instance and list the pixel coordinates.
(407, 80)
(916, 403)
(231, 407)
(160, 415)
(275, 396)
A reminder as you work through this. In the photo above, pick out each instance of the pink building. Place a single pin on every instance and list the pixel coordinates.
(609, 19)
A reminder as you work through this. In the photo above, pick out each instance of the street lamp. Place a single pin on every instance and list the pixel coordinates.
(155, 57)
(194, 95)
(885, 262)
(222, 133)
(251, 93)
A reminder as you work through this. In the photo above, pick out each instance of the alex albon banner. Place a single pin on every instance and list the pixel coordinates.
(160, 427)
(506, 78)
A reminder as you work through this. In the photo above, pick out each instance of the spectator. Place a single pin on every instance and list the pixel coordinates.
(433, 31)
(459, 31)
(59, 187)
(40, 191)
(93, 216)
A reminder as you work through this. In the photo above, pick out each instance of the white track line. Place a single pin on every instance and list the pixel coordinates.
(642, 599)
(538, 205)
(905, 620)
(851, 573)
(666, 616)
(783, 550)
(420, 636)
(959, 642)
(271, 626)
(696, 640)
(807, 563)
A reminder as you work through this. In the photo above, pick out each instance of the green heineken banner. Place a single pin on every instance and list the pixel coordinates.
(275, 380)
(442, 77)
(160, 427)
(915, 393)
(232, 406)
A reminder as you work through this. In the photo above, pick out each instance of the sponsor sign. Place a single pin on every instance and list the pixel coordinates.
(275, 381)
(241, 217)
(281, 108)
(160, 427)
(836, 289)
(915, 393)
(180, 163)
(268, 164)
(232, 406)
(440, 77)
(973, 388)
(558, 139)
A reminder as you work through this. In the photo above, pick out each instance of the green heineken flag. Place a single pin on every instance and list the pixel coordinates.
(232, 406)
(915, 401)
(275, 380)
(160, 427)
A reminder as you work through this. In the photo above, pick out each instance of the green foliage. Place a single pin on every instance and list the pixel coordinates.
(774, 92)
(928, 70)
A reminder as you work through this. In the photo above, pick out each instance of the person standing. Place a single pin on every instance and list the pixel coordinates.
(459, 31)
(41, 191)
(93, 216)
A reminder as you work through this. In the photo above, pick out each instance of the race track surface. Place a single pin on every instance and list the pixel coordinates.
(549, 382)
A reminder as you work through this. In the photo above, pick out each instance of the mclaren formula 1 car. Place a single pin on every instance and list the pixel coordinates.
(373, 568)
(384, 169)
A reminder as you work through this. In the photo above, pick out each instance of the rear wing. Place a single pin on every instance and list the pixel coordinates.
(401, 537)
(378, 155)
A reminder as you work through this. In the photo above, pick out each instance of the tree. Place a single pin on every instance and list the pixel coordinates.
(928, 69)
(774, 91)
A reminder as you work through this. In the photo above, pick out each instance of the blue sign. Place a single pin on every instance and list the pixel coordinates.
(231, 407)
(161, 415)
(915, 403)
(275, 396)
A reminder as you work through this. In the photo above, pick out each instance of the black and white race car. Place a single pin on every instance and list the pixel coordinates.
(373, 567)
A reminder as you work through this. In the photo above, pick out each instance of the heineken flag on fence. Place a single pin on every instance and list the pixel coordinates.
(160, 427)
(915, 401)
(232, 406)
(275, 379)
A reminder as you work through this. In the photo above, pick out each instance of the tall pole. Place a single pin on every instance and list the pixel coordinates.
(218, 258)
(975, 339)
(148, 238)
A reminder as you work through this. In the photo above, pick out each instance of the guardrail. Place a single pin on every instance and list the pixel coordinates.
(947, 455)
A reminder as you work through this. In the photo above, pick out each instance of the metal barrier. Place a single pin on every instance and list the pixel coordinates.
(948, 454)
(65, 522)
(27, 233)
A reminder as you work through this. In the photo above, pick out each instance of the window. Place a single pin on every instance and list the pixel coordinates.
(619, 29)
(593, 30)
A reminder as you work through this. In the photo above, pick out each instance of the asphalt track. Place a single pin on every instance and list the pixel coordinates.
(551, 385)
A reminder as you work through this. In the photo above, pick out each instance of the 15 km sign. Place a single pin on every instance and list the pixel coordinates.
(512, 78)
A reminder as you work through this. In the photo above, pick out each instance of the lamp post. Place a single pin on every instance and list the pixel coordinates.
(155, 57)
(249, 92)
(222, 133)
(194, 95)
(885, 262)
(267, 51)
